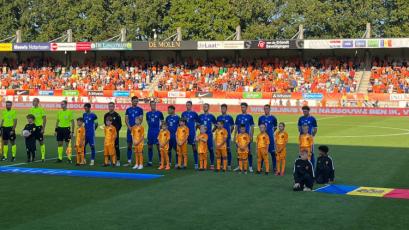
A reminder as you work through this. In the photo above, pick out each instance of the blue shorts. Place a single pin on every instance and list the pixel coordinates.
(271, 148)
(210, 142)
(172, 143)
(153, 137)
(90, 139)
(129, 136)
(191, 140)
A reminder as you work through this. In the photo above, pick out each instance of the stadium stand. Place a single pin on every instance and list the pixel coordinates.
(256, 75)
(387, 78)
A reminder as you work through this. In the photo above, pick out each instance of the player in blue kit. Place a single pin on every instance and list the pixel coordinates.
(154, 119)
(247, 120)
(311, 122)
(208, 120)
(228, 124)
(131, 114)
(270, 122)
(191, 121)
(91, 124)
(172, 121)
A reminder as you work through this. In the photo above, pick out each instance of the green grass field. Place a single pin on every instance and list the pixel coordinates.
(367, 151)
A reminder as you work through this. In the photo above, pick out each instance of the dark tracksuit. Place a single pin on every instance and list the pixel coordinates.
(303, 174)
(31, 141)
(117, 123)
(325, 171)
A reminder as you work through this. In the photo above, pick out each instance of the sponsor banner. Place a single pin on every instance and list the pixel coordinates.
(33, 46)
(220, 45)
(312, 96)
(22, 92)
(46, 92)
(111, 46)
(360, 43)
(335, 43)
(79, 173)
(70, 93)
(204, 94)
(167, 45)
(176, 94)
(67, 46)
(385, 43)
(252, 95)
(373, 43)
(281, 96)
(95, 93)
(119, 93)
(274, 44)
(83, 46)
(347, 44)
(6, 47)
(399, 97)
(335, 111)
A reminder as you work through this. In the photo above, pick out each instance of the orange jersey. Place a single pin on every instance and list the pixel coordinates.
(306, 140)
(182, 133)
(164, 137)
(221, 136)
(202, 145)
(138, 133)
(263, 140)
(281, 138)
(243, 140)
(80, 140)
(110, 135)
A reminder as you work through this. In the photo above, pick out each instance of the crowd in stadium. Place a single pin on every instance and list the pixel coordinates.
(255, 75)
(387, 77)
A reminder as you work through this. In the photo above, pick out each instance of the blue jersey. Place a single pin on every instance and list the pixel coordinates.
(154, 118)
(172, 122)
(132, 113)
(270, 122)
(244, 119)
(310, 121)
(228, 123)
(89, 123)
(192, 119)
(207, 120)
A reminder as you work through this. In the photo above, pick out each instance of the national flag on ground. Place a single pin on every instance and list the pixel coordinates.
(365, 191)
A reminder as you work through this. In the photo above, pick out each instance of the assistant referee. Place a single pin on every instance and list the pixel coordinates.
(62, 129)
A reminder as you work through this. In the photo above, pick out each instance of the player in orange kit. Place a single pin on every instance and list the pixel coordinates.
(306, 141)
(164, 138)
(138, 133)
(221, 146)
(182, 134)
(109, 143)
(281, 140)
(201, 140)
(243, 141)
(263, 142)
(80, 141)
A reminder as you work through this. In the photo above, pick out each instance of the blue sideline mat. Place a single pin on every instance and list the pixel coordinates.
(79, 173)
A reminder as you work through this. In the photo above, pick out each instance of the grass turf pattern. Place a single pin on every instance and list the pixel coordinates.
(370, 151)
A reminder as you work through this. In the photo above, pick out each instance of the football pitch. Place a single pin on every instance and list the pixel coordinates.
(367, 151)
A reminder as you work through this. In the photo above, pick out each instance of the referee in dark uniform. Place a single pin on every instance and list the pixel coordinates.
(117, 123)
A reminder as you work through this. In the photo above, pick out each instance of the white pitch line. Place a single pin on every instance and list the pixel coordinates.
(50, 159)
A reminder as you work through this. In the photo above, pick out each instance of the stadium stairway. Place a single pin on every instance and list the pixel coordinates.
(363, 84)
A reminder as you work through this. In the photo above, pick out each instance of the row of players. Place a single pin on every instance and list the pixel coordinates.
(65, 124)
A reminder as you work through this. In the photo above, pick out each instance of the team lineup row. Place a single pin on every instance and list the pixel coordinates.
(181, 131)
